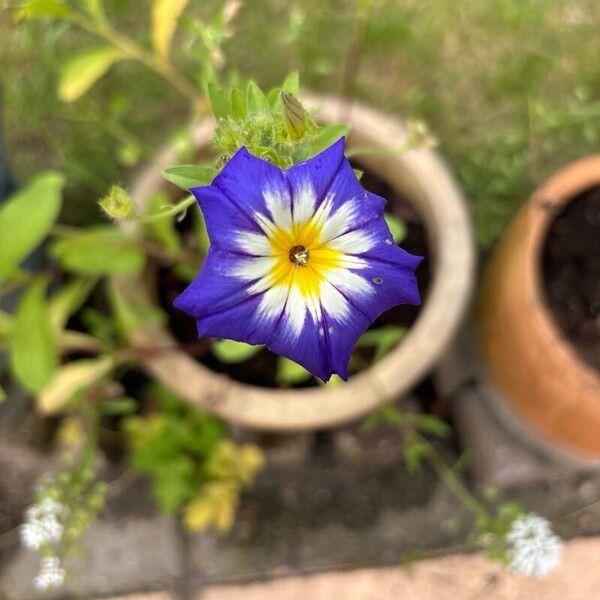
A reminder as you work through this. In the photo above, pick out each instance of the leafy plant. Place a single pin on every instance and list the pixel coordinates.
(191, 463)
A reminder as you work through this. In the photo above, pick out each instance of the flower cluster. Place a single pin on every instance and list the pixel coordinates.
(43, 524)
(533, 548)
(301, 260)
(51, 575)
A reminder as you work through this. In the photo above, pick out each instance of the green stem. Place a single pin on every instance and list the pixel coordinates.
(161, 66)
(450, 479)
(169, 212)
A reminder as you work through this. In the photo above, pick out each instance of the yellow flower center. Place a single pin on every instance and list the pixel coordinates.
(301, 257)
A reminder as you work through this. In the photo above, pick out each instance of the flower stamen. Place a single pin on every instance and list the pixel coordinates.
(299, 255)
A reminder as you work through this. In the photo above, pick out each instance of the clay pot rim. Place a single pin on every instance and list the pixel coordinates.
(431, 187)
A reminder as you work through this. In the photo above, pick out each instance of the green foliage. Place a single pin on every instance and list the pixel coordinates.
(232, 352)
(33, 351)
(81, 72)
(164, 15)
(163, 230)
(189, 176)
(397, 227)
(190, 462)
(98, 250)
(129, 316)
(68, 299)
(290, 373)
(383, 339)
(35, 9)
(274, 127)
(26, 219)
(172, 446)
(71, 380)
(490, 529)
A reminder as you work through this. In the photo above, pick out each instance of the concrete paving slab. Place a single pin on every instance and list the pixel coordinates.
(460, 577)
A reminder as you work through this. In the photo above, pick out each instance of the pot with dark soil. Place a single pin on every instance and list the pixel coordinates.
(539, 313)
(420, 192)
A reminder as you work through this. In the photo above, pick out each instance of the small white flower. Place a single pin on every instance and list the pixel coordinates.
(42, 524)
(32, 535)
(51, 574)
(533, 548)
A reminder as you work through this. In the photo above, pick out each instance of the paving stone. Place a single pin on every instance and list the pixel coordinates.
(125, 554)
(460, 577)
(143, 596)
(322, 518)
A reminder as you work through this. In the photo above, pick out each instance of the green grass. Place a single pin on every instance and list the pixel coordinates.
(509, 87)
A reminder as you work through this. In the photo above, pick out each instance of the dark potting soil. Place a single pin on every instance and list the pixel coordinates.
(261, 368)
(571, 273)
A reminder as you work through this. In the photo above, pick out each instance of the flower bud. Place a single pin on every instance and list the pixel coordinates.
(297, 119)
(117, 204)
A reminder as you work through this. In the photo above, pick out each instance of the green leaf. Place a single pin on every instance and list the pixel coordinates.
(292, 83)
(290, 372)
(430, 424)
(238, 104)
(126, 318)
(68, 299)
(72, 379)
(94, 8)
(26, 219)
(232, 352)
(189, 176)
(119, 406)
(201, 233)
(163, 230)
(164, 15)
(2, 395)
(33, 352)
(100, 250)
(382, 338)
(35, 9)
(397, 228)
(81, 72)
(7, 325)
(415, 452)
(219, 100)
(328, 135)
(255, 99)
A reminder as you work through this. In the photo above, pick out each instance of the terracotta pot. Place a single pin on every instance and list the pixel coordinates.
(424, 179)
(529, 361)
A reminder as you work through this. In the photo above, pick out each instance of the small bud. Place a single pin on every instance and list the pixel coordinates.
(117, 204)
(297, 119)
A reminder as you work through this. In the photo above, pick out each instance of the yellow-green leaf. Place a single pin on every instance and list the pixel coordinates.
(397, 228)
(7, 325)
(68, 299)
(290, 372)
(232, 352)
(72, 378)
(98, 251)
(215, 505)
(163, 230)
(81, 72)
(33, 352)
(35, 9)
(26, 219)
(164, 22)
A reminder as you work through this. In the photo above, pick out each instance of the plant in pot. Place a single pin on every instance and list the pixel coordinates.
(281, 201)
(538, 317)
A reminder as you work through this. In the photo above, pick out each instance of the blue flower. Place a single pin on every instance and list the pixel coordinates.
(301, 260)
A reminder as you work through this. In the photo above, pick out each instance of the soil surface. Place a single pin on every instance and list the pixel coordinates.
(261, 368)
(571, 272)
